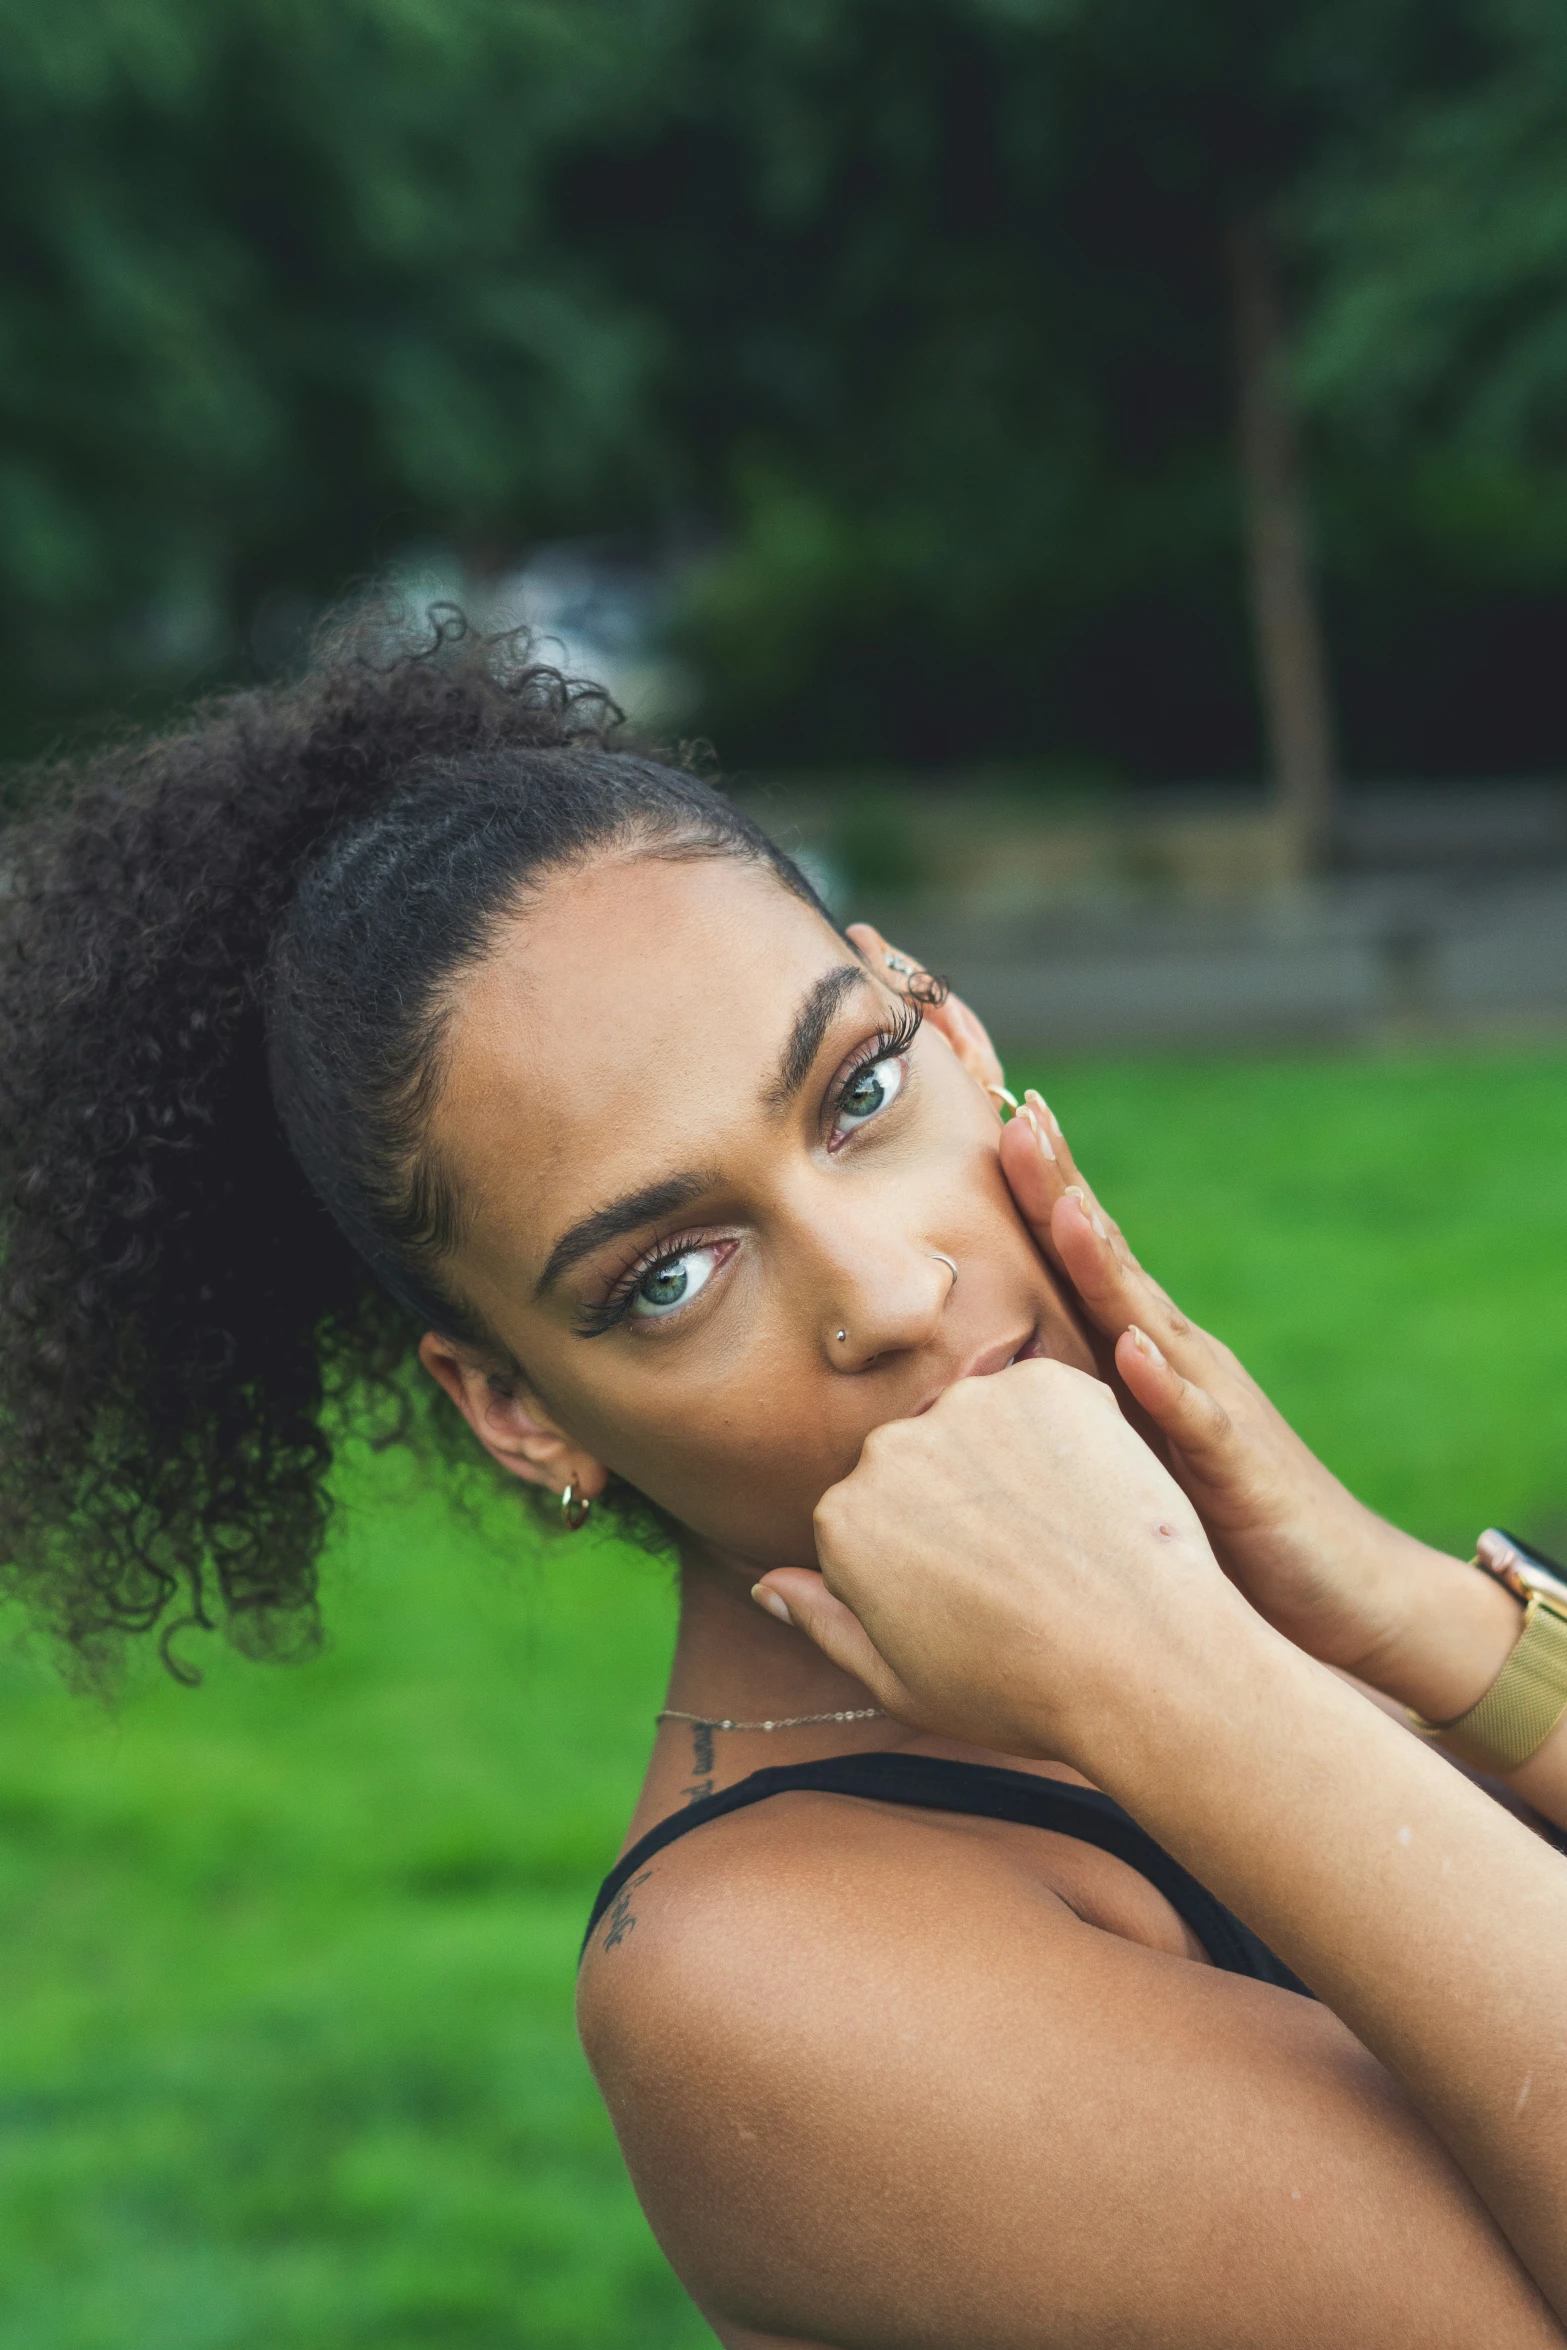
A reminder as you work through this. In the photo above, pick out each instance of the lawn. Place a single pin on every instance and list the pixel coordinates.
(286, 2058)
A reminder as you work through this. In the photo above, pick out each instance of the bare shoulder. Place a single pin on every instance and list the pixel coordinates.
(877, 2087)
(720, 1919)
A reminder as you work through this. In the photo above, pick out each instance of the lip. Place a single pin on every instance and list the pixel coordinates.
(997, 1357)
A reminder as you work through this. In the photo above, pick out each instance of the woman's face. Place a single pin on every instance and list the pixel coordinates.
(695, 1141)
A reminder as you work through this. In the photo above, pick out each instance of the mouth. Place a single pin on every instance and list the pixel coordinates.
(999, 1357)
(1031, 1348)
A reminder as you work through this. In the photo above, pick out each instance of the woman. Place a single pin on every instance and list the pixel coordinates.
(400, 1005)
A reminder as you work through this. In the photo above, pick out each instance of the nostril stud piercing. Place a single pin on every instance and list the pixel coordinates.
(841, 1336)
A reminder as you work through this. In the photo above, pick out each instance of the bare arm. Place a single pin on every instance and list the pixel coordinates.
(1026, 1575)
(1415, 1623)
(876, 2094)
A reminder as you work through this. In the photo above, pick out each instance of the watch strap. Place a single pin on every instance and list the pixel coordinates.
(1523, 1704)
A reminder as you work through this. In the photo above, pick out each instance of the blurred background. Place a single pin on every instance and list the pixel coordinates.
(1097, 472)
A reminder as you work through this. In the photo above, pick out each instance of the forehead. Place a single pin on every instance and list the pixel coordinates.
(622, 1030)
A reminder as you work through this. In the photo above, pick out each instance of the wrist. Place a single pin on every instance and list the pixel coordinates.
(1450, 1631)
(1198, 1698)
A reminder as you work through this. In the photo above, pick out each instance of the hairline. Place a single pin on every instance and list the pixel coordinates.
(427, 1172)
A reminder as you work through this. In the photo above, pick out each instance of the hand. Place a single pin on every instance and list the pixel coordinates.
(1015, 1568)
(1321, 1567)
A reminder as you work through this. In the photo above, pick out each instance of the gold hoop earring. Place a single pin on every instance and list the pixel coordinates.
(575, 1508)
(1000, 1094)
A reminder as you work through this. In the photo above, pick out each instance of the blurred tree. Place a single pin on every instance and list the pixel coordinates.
(940, 315)
(982, 315)
(1442, 241)
(280, 288)
(952, 364)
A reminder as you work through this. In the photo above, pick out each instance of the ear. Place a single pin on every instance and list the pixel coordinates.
(512, 1425)
(963, 1029)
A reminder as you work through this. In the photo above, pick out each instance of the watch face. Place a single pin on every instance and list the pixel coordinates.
(1521, 1567)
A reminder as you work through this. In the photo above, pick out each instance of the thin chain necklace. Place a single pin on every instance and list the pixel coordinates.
(864, 1713)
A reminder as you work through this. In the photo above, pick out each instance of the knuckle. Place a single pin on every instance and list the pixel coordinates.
(835, 1508)
(963, 1400)
(876, 1443)
(1210, 1421)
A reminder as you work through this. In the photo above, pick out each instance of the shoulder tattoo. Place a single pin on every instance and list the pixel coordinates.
(622, 1917)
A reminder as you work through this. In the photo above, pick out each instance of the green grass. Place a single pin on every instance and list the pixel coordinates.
(286, 2058)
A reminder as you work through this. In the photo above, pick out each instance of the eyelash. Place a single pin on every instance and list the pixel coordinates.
(888, 1044)
(593, 1320)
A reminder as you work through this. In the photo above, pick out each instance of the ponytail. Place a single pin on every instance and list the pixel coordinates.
(178, 1309)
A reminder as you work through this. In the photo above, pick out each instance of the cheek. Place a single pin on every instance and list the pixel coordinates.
(742, 1465)
(740, 1450)
(1065, 1331)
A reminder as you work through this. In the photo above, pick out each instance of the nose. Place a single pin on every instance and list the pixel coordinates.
(885, 1298)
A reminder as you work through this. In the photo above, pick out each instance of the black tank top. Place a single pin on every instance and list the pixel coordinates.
(936, 1785)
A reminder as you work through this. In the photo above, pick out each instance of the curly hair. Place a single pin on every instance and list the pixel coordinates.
(227, 953)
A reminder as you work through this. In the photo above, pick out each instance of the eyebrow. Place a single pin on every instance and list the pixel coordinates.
(635, 1209)
(629, 1213)
(811, 1023)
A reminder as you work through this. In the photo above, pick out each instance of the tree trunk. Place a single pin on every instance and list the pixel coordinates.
(1291, 664)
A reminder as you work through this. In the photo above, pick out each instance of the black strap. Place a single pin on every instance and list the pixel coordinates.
(937, 1785)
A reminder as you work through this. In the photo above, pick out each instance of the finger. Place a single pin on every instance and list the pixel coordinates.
(951, 1018)
(1071, 1174)
(806, 1602)
(1072, 1230)
(1040, 1173)
(1033, 1172)
(1112, 1287)
(1193, 1420)
(1037, 1161)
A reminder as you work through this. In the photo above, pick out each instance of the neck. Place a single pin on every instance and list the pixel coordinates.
(733, 1660)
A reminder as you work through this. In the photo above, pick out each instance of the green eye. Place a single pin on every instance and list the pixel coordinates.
(865, 1096)
(869, 1091)
(666, 1285)
(674, 1281)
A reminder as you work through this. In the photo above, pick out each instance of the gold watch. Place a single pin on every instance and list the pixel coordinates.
(1529, 1695)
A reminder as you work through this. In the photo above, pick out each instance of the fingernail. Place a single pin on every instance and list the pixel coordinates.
(1076, 1191)
(1044, 1109)
(771, 1601)
(1036, 1128)
(1143, 1343)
